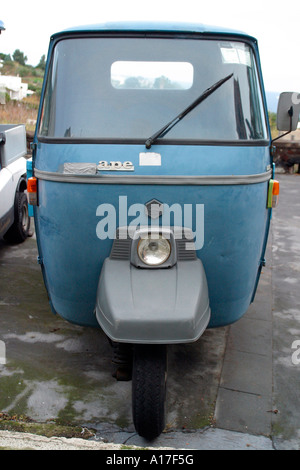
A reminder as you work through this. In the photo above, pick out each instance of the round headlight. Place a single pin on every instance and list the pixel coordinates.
(154, 251)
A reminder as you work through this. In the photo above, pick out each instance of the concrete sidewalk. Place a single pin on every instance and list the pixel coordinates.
(208, 439)
(236, 388)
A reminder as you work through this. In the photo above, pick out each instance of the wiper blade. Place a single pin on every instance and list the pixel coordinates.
(163, 131)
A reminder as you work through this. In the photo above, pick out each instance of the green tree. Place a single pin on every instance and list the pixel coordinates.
(5, 57)
(163, 83)
(19, 57)
(132, 82)
(42, 63)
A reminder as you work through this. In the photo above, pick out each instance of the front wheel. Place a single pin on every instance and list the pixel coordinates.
(18, 232)
(149, 375)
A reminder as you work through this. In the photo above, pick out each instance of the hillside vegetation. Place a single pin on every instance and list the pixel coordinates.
(25, 111)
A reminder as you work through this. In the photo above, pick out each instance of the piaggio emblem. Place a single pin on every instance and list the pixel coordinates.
(154, 208)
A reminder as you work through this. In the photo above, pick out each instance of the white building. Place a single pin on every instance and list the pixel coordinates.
(14, 87)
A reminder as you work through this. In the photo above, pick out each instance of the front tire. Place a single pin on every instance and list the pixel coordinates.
(18, 232)
(149, 376)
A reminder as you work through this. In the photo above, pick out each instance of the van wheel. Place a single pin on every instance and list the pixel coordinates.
(18, 232)
(149, 375)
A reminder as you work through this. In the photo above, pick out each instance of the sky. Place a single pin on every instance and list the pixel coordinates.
(30, 23)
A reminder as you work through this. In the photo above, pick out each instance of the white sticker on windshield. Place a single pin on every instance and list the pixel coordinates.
(150, 159)
(236, 55)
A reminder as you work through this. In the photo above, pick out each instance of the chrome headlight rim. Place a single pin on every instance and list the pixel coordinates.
(144, 248)
(154, 231)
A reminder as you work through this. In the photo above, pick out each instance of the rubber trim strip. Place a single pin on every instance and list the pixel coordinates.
(180, 180)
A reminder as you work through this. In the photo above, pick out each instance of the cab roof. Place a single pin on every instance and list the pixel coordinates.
(158, 27)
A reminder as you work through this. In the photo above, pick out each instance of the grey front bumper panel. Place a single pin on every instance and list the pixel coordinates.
(153, 306)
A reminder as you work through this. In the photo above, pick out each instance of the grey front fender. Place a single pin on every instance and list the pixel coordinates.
(153, 306)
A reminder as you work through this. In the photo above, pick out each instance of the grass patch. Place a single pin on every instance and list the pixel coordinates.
(21, 423)
(20, 112)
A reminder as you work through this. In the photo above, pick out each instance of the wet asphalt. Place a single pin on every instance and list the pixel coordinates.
(235, 388)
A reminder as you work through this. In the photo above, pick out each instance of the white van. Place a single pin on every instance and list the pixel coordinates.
(14, 217)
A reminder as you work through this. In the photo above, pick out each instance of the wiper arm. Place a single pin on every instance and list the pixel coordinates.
(163, 131)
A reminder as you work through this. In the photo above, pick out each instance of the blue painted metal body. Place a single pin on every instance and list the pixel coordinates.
(236, 220)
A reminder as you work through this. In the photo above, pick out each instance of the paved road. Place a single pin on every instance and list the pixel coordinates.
(236, 388)
(286, 314)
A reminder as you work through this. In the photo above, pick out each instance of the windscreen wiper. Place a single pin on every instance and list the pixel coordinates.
(163, 131)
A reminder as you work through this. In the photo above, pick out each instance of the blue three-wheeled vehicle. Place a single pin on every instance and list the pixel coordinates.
(152, 187)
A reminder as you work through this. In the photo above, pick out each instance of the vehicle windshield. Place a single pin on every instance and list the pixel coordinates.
(116, 89)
